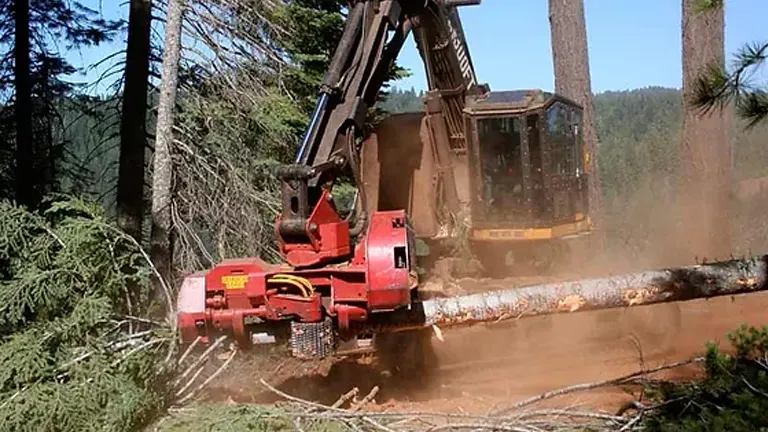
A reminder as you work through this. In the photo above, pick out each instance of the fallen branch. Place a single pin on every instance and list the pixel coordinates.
(346, 397)
(209, 379)
(367, 399)
(479, 426)
(191, 381)
(189, 350)
(630, 424)
(521, 421)
(200, 359)
(593, 385)
(568, 413)
(299, 400)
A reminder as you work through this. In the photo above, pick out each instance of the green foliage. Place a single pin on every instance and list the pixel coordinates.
(237, 123)
(717, 86)
(55, 26)
(402, 101)
(312, 30)
(240, 417)
(230, 142)
(708, 5)
(733, 396)
(71, 358)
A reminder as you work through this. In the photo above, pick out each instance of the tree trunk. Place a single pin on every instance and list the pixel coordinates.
(705, 154)
(659, 286)
(678, 284)
(26, 192)
(133, 124)
(570, 54)
(161, 244)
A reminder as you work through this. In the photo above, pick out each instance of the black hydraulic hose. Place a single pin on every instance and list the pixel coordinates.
(332, 77)
(344, 49)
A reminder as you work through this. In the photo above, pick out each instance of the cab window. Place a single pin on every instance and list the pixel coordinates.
(563, 132)
(501, 158)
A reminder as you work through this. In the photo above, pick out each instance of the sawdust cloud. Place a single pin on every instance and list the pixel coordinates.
(492, 365)
(482, 367)
(649, 229)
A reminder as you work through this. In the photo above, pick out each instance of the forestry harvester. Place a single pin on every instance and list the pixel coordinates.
(509, 166)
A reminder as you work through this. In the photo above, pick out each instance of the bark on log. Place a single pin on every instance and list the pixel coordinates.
(684, 283)
(675, 284)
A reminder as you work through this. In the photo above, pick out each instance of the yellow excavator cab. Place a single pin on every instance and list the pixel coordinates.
(527, 164)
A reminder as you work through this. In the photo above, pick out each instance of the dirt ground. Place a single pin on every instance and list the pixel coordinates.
(484, 368)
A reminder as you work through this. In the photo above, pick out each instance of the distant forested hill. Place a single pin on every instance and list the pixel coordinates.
(400, 101)
(639, 132)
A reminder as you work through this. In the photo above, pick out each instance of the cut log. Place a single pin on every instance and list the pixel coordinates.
(675, 284)
(685, 283)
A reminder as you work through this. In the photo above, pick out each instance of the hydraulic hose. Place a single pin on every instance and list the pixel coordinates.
(332, 77)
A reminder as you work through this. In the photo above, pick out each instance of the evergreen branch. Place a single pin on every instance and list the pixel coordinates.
(715, 87)
(754, 107)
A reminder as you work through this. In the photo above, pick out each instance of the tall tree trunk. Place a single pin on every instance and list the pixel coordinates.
(26, 193)
(570, 54)
(162, 245)
(705, 154)
(133, 124)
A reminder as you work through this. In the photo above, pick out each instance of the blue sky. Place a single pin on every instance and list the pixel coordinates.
(631, 43)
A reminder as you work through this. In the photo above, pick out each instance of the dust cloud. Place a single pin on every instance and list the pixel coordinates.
(490, 366)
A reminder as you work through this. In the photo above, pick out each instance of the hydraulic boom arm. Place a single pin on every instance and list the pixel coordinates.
(372, 39)
(331, 284)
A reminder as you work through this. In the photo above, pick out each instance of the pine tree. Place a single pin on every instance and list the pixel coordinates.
(25, 176)
(162, 175)
(705, 155)
(716, 87)
(133, 124)
(570, 56)
(38, 86)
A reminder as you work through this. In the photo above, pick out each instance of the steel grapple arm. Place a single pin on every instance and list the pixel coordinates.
(330, 282)
(372, 39)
